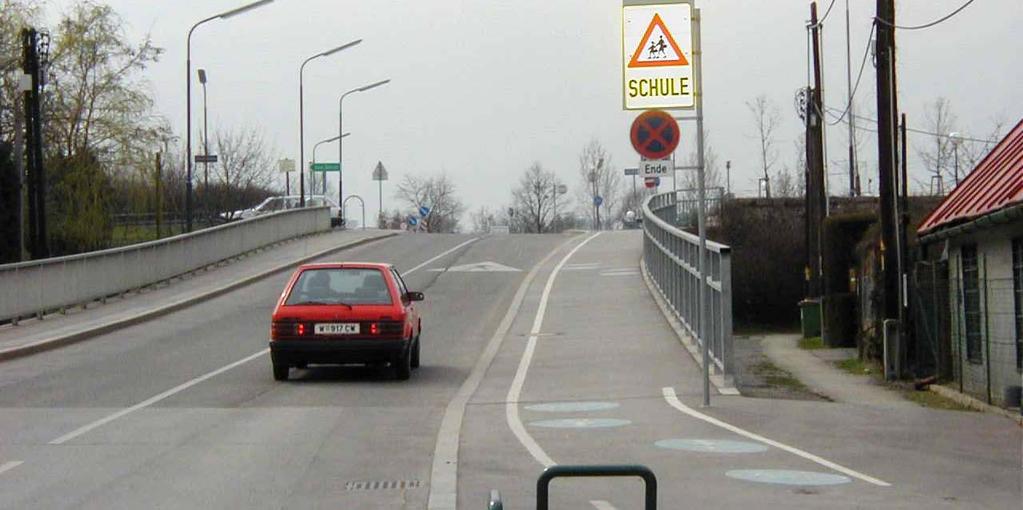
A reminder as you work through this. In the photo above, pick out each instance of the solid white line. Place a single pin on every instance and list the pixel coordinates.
(511, 406)
(444, 472)
(673, 401)
(154, 399)
(7, 466)
(602, 505)
(432, 260)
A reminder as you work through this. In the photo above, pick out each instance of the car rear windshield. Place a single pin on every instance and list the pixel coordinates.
(340, 286)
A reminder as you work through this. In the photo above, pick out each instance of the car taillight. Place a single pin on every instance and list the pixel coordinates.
(300, 329)
(283, 329)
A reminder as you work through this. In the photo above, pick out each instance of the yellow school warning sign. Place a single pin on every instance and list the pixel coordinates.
(657, 53)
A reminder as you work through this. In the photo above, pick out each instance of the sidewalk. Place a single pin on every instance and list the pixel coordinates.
(816, 370)
(80, 323)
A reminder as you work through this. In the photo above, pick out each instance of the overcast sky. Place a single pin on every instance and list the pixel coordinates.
(482, 88)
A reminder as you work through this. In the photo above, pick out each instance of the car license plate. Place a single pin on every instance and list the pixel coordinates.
(351, 328)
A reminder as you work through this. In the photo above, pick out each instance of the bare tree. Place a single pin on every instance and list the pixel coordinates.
(765, 123)
(244, 159)
(534, 199)
(439, 194)
(14, 15)
(939, 153)
(789, 182)
(711, 168)
(598, 176)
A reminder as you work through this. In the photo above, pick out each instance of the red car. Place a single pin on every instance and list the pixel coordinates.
(345, 313)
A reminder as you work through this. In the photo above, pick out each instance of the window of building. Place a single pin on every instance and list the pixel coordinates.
(1017, 293)
(971, 302)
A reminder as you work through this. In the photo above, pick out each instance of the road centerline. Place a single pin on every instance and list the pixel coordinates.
(7, 466)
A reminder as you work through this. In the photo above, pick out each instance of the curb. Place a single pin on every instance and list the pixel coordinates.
(61, 341)
(724, 387)
(968, 401)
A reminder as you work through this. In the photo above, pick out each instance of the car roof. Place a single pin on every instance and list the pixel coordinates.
(346, 265)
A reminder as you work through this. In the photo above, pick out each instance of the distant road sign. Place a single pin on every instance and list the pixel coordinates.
(380, 173)
(655, 167)
(424, 211)
(631, 171)
(657, 52)
(413, 221)
(652, 182)
(598, 200)
(286, 165)
(206, 159)
(325, 167)
(562, 189)
(654, 134)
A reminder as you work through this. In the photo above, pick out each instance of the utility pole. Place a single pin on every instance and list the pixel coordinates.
(887, 147)
(38, 241)
(19, 161)
(159, 195)
(853, 174)
(816, 193)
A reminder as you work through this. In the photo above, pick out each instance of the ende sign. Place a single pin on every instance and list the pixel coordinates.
(657, 43)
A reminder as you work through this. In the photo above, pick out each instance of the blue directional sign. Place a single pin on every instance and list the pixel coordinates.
(598, 200)
(413, 221)
(424, 211)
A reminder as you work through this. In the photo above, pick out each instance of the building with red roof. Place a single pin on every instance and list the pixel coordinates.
(976, 236)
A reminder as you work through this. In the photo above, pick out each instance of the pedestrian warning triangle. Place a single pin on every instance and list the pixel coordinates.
(659, 51)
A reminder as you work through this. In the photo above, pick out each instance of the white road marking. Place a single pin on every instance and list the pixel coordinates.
(511, 406)
(443, 254)
(154, 399)
(7, 466)
(444, 472)
(602, 505)
(673, 401)
(184, 386)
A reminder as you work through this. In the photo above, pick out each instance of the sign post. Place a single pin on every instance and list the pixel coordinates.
(380, 175)
(286, 166)
(662, 65)
(325, 167)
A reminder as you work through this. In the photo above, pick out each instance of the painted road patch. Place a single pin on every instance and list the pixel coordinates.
(711, 445)
(787, 477)
(581, 423)
(572, 407)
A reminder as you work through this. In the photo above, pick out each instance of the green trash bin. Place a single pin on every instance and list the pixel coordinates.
(810, 317)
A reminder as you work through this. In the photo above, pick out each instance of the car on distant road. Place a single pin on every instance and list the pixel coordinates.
(286, 202)
(346, 313)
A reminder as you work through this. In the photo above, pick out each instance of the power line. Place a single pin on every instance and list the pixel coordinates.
(831, 112)
(826, 13)
(859, 75)
(926, 25)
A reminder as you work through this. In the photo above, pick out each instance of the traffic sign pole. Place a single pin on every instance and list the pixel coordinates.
(704, 298)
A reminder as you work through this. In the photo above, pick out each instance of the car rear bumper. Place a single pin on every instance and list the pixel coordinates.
(349, 350)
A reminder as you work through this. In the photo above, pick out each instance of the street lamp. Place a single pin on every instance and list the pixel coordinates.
(318, 144)
(956, 140)
(340, 129)
(188, 97)
(301, 117)
(205, 135)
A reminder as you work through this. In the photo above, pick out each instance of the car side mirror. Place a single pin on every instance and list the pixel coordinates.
(415, 296)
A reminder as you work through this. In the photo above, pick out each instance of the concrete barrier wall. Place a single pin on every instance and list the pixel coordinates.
(27, 288)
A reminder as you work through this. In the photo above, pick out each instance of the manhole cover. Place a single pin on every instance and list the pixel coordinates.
(383, 485)
(571, 407)
(786, 477)
(711, 445)
(580, 423)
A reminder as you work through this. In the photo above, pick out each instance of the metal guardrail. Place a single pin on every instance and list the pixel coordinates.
(672, 258)
(39, 286)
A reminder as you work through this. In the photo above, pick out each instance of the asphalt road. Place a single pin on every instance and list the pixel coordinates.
(182, 412)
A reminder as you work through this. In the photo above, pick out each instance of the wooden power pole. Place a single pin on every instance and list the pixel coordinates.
(887, 157)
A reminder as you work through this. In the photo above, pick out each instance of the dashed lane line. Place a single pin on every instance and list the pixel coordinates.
(673, 401)
(7, 466)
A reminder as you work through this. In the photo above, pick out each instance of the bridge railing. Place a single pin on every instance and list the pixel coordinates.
(39, 286)
(671, 256)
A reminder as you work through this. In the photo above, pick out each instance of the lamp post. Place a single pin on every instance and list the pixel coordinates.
(318, 144)
(340, 140)
(205, 135)
(301, 116)
(188, 98)
(956, 140)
